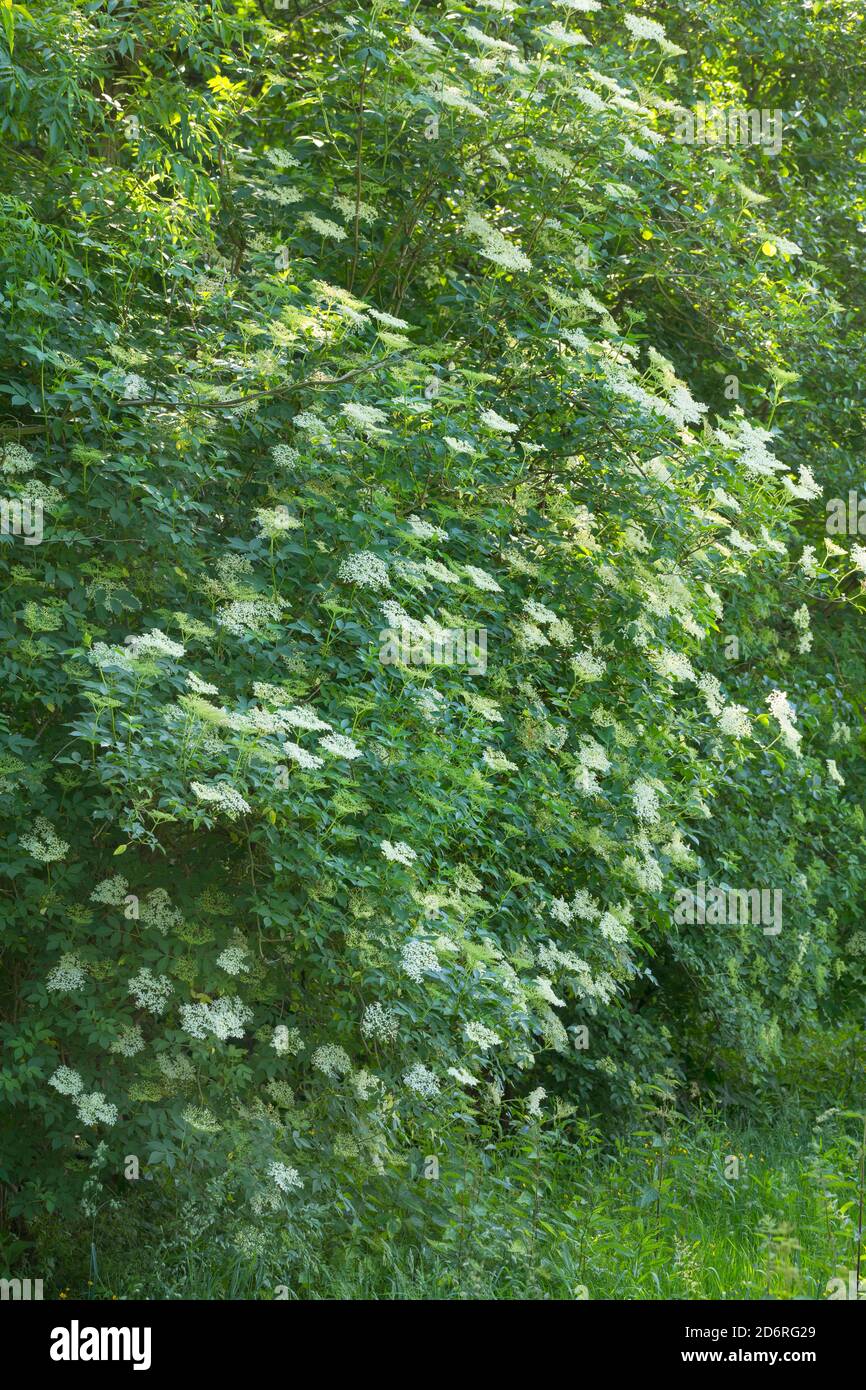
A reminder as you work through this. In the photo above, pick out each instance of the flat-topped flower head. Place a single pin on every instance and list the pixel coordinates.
(399, 852)
(364, 569)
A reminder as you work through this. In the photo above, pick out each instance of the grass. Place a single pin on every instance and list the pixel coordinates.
(677, 1208)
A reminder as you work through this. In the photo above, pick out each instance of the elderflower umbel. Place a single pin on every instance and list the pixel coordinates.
(380, 1022)
(286, 1041)
(275, 521)
(419, 1078)
(462, 1076)
(287, 1179)
(481, 1035)
(364, 569)
(399, 852)
(223, 1018)
(534, 1099)
(234, 960)
(734, 721)
(482, 580)
(587, 666)
(129, 1041)
(302, 717)
(66, 976)
(340, 746)
(645, 801)
(66, 1081)
(417, 958)
(154, 643)
(365, 416)
(497, 761)
(308, 761)
(150, 992)
(225, 797)
(425, 530)
(332, 1059)
(784, 714)
(44, 843)
(497, 423)
(111, 891)
(94, 1109)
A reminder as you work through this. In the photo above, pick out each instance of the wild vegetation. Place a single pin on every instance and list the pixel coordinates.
(430, 441)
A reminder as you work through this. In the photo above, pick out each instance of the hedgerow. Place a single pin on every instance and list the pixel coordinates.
(328, 338)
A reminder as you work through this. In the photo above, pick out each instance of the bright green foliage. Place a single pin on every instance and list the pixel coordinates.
(319, 330)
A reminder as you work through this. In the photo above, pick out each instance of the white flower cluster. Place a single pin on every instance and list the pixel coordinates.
(421, 1079)
(156, 911)
(645, 801)
(234, 960)
(495, 246)
(417, 958)
(425, 530)
(66, 1081)
(286, 1041)
(94, 1109)
(129, 1041)
(482, 580)
(557, 34)
(380, 1022)
(201, 1118)
(284, 456)
(805, 488)
(735, 722)
(308, 761)
(481, 1035)
(784, 714)
(151, 992)
(364, 569)
(226, 798)
(111, 891)
(642, 28)
(16, 459)
(287, 1179)
(276, 521)
(399, 852)
(333, 1060)
(303, 717)
(223, 1018)
(154, 643)
(498, 423)
(245, 616)
(534, 1099)
(67, 975)
(497, 761)
(587, 666)
(366, 417)
(486, 708)
(612, 929)
(463, 1077)
(672, 665)
(340, 746)
(44, 843)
